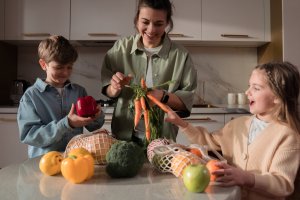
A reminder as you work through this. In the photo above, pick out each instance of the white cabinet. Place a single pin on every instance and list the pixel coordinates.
(187, 20)
(1, 19)
(236, 20)
(11, 149)
(102, 19)
(36, 19)
(229, 117)
(211, 122)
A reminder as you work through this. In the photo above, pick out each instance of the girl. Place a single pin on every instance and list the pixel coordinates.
(262, 150)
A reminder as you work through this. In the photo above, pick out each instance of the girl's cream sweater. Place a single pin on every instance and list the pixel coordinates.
(273, 156)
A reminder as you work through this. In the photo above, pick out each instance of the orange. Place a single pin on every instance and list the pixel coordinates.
(212, 167)
(181, 160)
(196, 151)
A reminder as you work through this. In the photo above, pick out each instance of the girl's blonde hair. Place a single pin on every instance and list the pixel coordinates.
(284, 80)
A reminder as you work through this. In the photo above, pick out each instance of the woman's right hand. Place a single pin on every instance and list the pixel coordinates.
(175, 119)
(117, 82)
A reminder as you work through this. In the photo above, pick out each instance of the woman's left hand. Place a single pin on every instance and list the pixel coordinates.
(230, 176)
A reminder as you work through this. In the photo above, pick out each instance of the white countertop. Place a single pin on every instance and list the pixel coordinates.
(25, 181)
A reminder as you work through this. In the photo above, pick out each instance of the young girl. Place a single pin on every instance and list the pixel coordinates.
(262, 150)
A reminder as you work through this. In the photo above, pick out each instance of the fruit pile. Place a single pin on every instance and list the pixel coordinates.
(191, 163)
(77, 167)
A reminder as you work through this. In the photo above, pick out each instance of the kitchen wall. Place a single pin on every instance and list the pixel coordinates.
(222, 69)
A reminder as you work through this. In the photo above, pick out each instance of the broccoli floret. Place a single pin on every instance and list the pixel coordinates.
(124, 159)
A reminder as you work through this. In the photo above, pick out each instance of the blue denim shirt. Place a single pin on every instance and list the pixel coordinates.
(42, 117)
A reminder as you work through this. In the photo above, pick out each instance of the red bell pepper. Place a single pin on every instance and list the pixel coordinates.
(86, 106)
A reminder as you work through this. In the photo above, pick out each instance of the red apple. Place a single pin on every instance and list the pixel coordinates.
(196, 177)
(86, 106)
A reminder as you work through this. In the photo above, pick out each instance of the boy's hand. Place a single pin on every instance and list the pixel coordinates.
(175, 119)
(77, 121)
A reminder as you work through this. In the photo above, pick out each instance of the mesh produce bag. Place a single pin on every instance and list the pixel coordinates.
(153, 144)
(97, 143)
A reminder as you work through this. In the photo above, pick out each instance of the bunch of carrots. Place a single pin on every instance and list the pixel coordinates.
(142, 98)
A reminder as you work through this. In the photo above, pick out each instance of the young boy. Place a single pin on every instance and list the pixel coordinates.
(46, 114)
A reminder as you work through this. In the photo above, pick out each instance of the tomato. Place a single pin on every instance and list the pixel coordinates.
(86, 106)
(50, 163)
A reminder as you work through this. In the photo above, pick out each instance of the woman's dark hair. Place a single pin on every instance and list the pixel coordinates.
(284, 80)
(165, 5)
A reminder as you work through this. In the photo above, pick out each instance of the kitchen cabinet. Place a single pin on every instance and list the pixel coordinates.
(187, 20)
(36, 19)
(211, 122)
(229, 117)
(11, 149)
(236, 20)
(1, 19)
(102, 19)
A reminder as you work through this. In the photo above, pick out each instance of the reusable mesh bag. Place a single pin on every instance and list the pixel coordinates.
(153, 144)
(97, 143)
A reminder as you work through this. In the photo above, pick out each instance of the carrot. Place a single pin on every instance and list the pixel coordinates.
(164, 107)
(137, 111)
(146, 118)
(143, 83)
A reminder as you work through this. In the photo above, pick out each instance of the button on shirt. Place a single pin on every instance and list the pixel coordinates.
(42, 117)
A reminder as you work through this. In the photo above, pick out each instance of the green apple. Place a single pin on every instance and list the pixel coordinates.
(196, 177)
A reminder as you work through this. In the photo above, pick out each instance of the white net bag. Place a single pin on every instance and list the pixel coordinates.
(97, 143)
(153, 144)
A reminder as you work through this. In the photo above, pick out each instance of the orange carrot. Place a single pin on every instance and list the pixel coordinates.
(164, 107)
(137, 111)
(146, 118)
(143, 83)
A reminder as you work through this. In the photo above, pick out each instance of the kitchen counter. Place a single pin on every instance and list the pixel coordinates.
(25, 181)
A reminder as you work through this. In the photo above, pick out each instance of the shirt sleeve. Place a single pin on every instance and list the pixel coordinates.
(33, 131)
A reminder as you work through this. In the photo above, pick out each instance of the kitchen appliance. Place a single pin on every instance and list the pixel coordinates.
(17, 89)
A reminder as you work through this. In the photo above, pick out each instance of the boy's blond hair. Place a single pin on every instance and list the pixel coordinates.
(57, 48)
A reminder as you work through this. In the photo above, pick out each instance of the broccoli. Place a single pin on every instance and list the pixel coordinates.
(124, 159)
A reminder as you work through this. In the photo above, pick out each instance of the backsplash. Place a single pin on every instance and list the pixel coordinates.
(221, 69)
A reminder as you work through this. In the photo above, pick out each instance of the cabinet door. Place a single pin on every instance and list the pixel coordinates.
(11, 149)
(229, 117)
(102, 19)
(1, 19)
(236, 20)
(36, 19)
(187, 20)
(211, 122)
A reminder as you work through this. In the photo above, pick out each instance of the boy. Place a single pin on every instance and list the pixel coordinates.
(46, 114)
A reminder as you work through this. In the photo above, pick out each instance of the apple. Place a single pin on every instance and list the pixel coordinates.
(196, 177)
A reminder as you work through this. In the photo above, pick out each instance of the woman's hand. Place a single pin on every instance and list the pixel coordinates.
(117, 82)
(77, 121)
(230, 176)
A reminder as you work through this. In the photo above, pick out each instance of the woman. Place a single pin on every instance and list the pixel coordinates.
(152, 55)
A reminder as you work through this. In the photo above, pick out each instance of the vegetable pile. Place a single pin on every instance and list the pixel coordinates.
(124, 159)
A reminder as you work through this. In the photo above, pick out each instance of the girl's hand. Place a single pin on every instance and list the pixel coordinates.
(230, 176)
(175, 119)
(77, 121)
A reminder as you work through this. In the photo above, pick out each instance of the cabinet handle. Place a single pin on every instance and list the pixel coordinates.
(235, 36)
(36, 34)
(7, 120)
(204, 119)
(103, 34)
(176, 35)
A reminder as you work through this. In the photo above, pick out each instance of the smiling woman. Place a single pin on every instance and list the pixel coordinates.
(125, 64)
